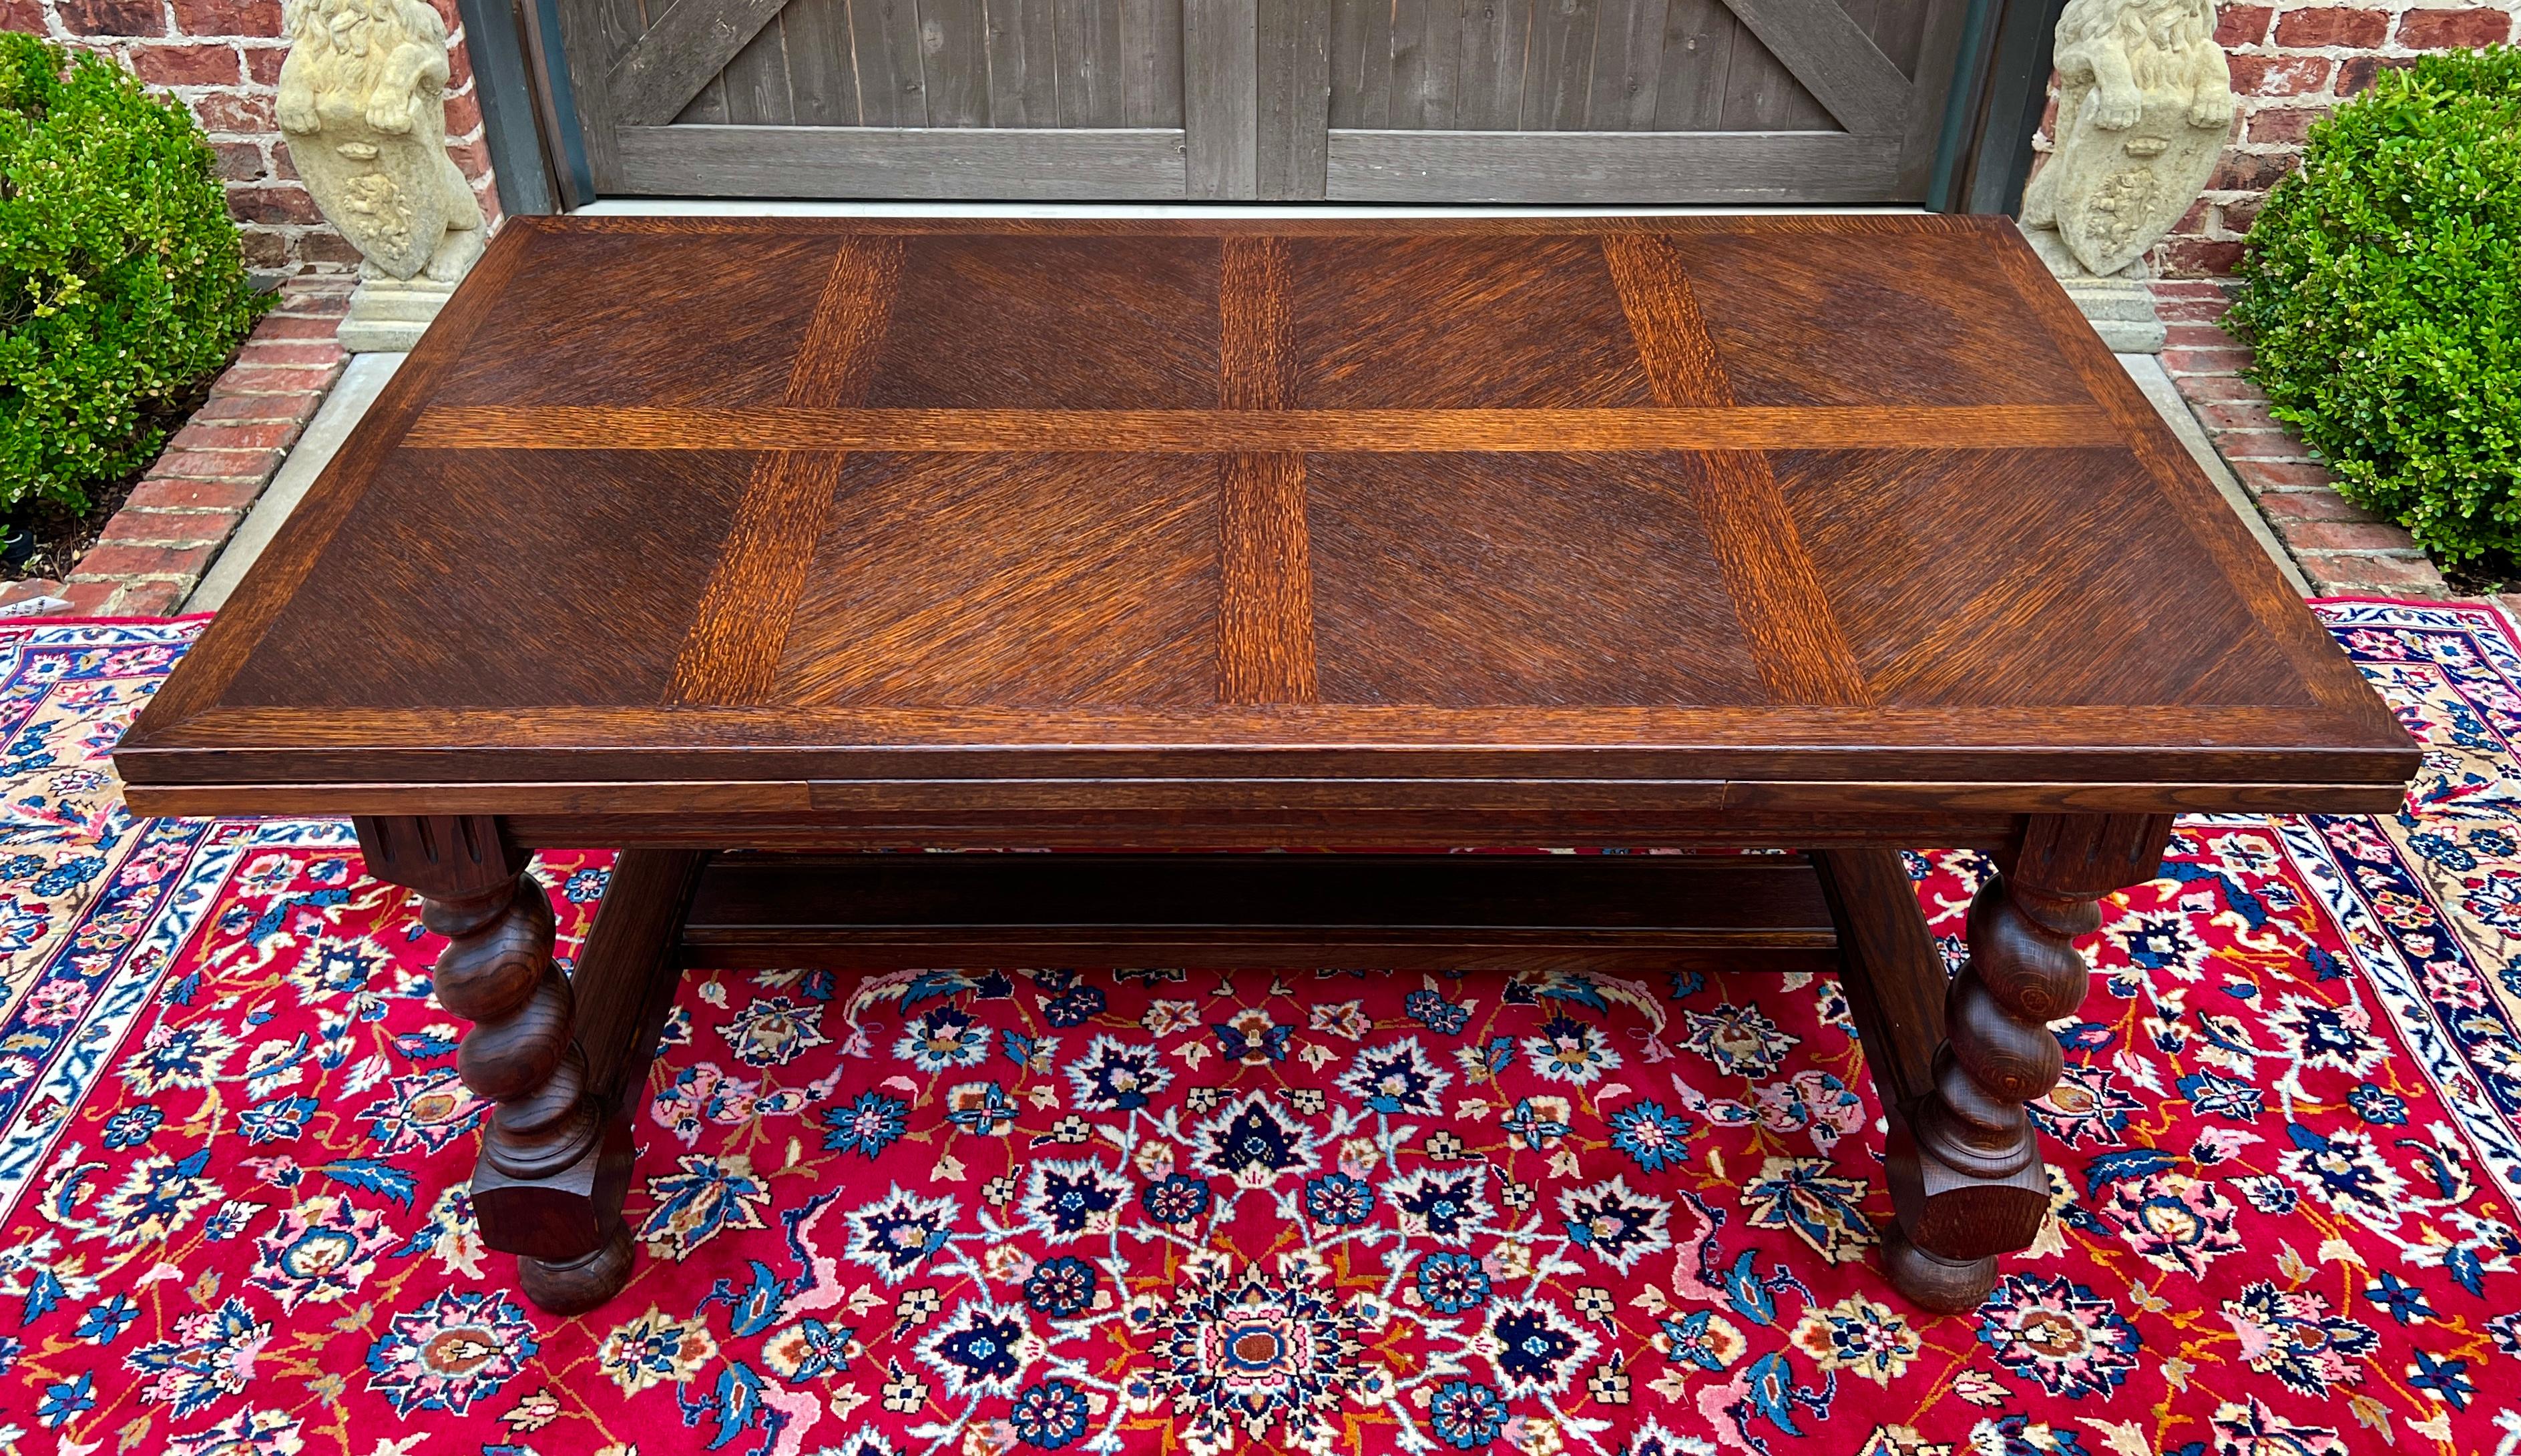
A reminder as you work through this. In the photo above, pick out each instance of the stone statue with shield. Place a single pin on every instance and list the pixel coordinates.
(362, 106)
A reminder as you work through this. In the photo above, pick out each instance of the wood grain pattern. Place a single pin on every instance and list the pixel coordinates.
(232, 636)
(1264, 626)
(1049, 581)
(1221, 99)
(2153, 444)
(1443, 100)
(1801, 656)
(1255, 348)
(1292, 132)
(1601, 526)
(689, 42)
(732, 653)
(1732, 169)
(2091, 741)
(1264, 619)
(1831, 55)
(901, 159)
(1214, 432)
(1514, 66)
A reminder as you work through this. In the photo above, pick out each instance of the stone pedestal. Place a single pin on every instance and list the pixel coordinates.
(2120, 306)
(387, 314)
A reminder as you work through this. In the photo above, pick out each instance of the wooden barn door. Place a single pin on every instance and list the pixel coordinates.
(1397, 101)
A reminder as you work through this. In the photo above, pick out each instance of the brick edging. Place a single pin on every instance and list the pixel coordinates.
(155, 548)
(2342, 549)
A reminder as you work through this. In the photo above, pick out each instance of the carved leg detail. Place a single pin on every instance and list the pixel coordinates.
(557, 1059)
(497, 973)
(2023, 973)
(1963, 1162)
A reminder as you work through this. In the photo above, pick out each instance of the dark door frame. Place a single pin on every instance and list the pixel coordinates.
(2002, 56)
(1985, 157)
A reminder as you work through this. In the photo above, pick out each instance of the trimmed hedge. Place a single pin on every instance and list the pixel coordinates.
(120, 282)
(2384, 300)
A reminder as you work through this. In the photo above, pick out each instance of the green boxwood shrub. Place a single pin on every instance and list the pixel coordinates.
(121, 283)
(2384, 300)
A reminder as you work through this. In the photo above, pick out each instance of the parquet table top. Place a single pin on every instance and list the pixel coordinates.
(1620, 516)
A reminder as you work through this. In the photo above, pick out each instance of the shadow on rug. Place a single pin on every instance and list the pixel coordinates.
(987, 1211)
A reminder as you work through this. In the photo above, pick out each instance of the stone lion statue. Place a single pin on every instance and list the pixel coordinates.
(2144, 101)
(362, 105)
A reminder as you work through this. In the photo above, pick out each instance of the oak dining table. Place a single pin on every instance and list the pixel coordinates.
(763, 550)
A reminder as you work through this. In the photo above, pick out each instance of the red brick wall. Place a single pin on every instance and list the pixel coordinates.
(2293, 61)
(222, 59)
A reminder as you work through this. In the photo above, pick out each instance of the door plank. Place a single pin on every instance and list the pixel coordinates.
(1628, 64)
(1294, 98)
(757, 80)
(1221, 99)
(590, 34)
(1492, 34)
(954, 60)
(940, 163)
(1088, 36)
(1761, 95)
(681, 52)
(822, 77)
(1938, 57)
(1151, 56)
(885, 38)
(1611, 166)
(1442, 102)
(1024, 64)
(710, 106)
(1426, 60)
(1698, 39)
(1895, 26)
(1361, 96)
(1558, 76)
(1833, 58)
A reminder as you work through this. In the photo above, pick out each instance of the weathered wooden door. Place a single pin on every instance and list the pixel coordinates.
(1415, 101)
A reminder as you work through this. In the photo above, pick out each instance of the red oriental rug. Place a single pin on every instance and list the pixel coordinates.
(981, 1212)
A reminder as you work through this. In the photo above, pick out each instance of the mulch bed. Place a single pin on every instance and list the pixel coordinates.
(2488, 577)
(63, 532)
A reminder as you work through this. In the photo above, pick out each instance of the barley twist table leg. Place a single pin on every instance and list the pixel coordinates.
(1998, 1054)
(560, 1060)
(497, 974)
(1964, 1167)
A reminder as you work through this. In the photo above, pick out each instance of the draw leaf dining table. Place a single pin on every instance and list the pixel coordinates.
(756, 548)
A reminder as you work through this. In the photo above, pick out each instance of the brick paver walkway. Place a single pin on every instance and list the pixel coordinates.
(2340, 548)
(155, 548)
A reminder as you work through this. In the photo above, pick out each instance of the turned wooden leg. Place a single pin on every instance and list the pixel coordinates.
(1955, 1062)
(557, 1058)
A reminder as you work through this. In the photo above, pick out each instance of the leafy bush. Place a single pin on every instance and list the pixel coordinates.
(121, 283)
(2384, 300)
